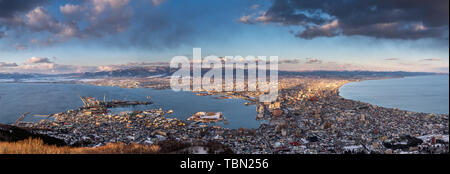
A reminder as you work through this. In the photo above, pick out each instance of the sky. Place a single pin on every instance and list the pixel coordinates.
(65, 36)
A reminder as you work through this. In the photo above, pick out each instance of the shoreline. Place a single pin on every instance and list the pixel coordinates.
(311, 118)
(389, 78)
(92, 83)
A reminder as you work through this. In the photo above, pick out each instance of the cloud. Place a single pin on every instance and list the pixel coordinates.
(7, 64)
(392, 59)
(246, 19)
(393, 19)
(158, 2)
(48, 68)
(99, 18)
(10, 8)
(38, 20)
(121, 23)
(300, 61)
(70, 10)
(289, 61)
(107, 68)
(264, 18)
(433, 59)
(45, 68)
(313, 61)
(254, 7)
(101, 5)
(38, 60)
(326, 30)
(85, 20)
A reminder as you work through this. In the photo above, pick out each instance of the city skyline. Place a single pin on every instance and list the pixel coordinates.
(47, 36)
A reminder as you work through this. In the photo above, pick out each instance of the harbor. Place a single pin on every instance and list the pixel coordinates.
(64, 97)
(309, 117)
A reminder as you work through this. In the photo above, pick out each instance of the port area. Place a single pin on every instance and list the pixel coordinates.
(94, 106)
(207, 117)
(309, 117)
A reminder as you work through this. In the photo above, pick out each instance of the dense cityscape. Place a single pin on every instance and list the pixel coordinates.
(309, 117)
(230, 84)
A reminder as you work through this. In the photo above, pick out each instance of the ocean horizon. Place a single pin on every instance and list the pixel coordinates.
(427, 94)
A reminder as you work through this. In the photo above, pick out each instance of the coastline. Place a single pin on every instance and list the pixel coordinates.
(389, 78)
(328, 124)
(93, 83)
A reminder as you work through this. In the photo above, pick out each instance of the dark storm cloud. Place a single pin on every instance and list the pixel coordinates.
(19, 18)
(283, 12)
(10, 11)
(121, 23)
(9, 8)
(396, 19)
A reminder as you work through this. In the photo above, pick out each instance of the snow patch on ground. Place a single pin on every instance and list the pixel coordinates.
(89, 80)
(353, 148)
(199, 150)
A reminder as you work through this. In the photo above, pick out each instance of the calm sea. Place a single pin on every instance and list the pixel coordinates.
(46, 98)
(429, 94)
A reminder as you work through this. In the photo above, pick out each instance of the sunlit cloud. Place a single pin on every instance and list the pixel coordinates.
(37, 60)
